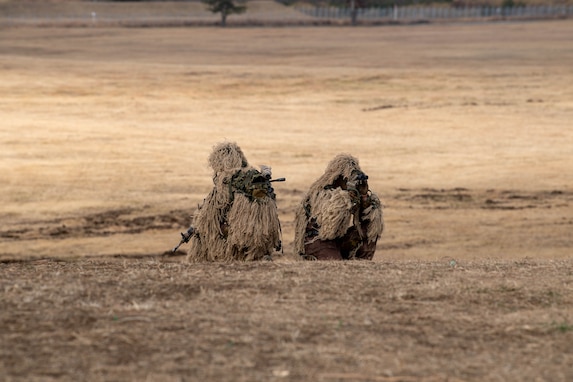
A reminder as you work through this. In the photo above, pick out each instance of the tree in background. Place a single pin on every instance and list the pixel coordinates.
(225, 8)
(354, 6)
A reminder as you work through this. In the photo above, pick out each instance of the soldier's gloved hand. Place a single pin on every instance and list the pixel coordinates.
(259, 185)
(260, 190)
(362, 187)
(365, 200)
(360, 180)
(259, 194)
(353, 192)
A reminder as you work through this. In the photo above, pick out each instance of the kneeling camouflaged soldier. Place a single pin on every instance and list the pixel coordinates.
(238, 219)
(339, 217)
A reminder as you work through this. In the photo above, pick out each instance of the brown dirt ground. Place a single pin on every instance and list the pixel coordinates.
(463, 129)
(147, 319)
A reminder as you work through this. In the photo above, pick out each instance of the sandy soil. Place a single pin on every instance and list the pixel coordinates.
(464, 130)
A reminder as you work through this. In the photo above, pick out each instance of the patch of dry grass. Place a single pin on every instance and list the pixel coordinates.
(383, 321)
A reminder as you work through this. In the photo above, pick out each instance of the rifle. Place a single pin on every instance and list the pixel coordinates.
(267, 174)
(185, 237)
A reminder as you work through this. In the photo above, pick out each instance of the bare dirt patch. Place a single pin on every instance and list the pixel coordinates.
(421, 223)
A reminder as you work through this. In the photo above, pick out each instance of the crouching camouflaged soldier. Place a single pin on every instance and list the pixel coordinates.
(339, 217)
(238, 220)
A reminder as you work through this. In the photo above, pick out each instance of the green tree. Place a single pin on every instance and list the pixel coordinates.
(225, 8)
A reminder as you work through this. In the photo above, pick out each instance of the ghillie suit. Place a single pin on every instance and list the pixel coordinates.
(339, 217)
(238, 220)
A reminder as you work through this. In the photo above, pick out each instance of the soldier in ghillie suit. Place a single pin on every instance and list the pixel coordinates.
(238, 220)
(339, 217)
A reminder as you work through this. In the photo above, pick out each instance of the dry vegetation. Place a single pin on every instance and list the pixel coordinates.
(109, 320)
(464, 131)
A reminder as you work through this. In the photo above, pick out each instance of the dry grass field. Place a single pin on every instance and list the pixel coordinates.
(464, 130)
(149, 320)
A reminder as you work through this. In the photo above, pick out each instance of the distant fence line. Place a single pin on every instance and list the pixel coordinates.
(299, 15)
(434, 13)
